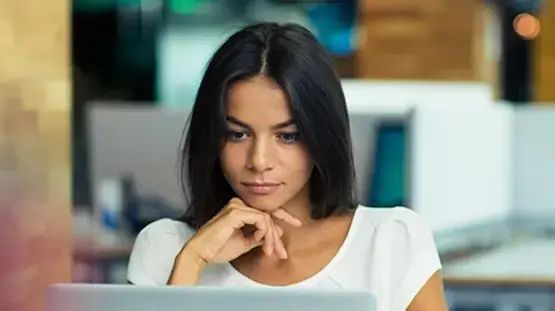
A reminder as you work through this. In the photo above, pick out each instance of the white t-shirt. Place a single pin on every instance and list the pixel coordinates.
(389, 251)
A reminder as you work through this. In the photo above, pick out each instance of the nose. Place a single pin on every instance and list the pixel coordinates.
(260, 154)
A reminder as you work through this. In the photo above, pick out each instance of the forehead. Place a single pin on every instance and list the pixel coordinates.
(258, 101)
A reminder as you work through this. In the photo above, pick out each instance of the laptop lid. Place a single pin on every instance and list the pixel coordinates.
(94, 297)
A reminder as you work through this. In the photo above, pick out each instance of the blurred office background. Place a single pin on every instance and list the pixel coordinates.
(452, 106)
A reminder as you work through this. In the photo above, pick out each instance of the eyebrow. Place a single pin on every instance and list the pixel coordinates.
(245, 125)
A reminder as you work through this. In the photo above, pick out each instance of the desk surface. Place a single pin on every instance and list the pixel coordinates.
(529, 262)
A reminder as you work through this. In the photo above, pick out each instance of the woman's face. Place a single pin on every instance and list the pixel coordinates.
(262, 158)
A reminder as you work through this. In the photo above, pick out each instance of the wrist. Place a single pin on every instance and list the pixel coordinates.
(187, 268)
(191, 256)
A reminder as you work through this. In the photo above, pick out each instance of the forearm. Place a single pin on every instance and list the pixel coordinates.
(187, 269)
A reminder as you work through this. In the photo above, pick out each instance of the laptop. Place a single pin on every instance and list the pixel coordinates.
(100, 297)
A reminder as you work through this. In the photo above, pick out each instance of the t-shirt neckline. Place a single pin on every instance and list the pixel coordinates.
(314, 278)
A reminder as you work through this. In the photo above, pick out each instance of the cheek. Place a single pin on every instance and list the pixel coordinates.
(230, 160)
(299, 165)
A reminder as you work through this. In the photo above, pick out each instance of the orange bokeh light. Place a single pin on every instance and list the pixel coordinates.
(526, 25)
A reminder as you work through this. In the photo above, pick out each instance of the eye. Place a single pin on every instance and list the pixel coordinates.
(289, 138)
(236, 135)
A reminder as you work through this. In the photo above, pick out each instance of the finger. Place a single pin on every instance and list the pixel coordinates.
(239, 218)
(252, 242)
(268, 246)
(288, 218)
(233, 204)
(259, 235)
(279, 214)
(280, 249)
(236, 200)
(279, 230)
(272, 233)
(269, 237)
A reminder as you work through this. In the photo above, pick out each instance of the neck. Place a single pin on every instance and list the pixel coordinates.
(300, 207)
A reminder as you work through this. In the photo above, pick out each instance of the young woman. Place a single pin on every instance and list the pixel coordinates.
(269, 171)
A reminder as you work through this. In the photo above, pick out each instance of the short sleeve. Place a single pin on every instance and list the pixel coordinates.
(420, 259)
(156, 246)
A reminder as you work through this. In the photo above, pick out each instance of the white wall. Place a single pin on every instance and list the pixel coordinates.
(143, 140)
(399, 97)
(534, 160)
(460, 154)
(461, 164)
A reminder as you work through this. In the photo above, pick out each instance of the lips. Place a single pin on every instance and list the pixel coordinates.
(261, 188)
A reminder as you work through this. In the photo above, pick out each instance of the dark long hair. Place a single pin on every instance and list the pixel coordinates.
(291, 56)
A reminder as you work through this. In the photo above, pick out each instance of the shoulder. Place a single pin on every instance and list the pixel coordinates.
(403, 251)
(400, 218)
(155, 249)
(399, 232)
(166, 228)
(164, 235)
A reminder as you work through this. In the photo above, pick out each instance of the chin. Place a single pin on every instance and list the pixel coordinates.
(265, 204)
